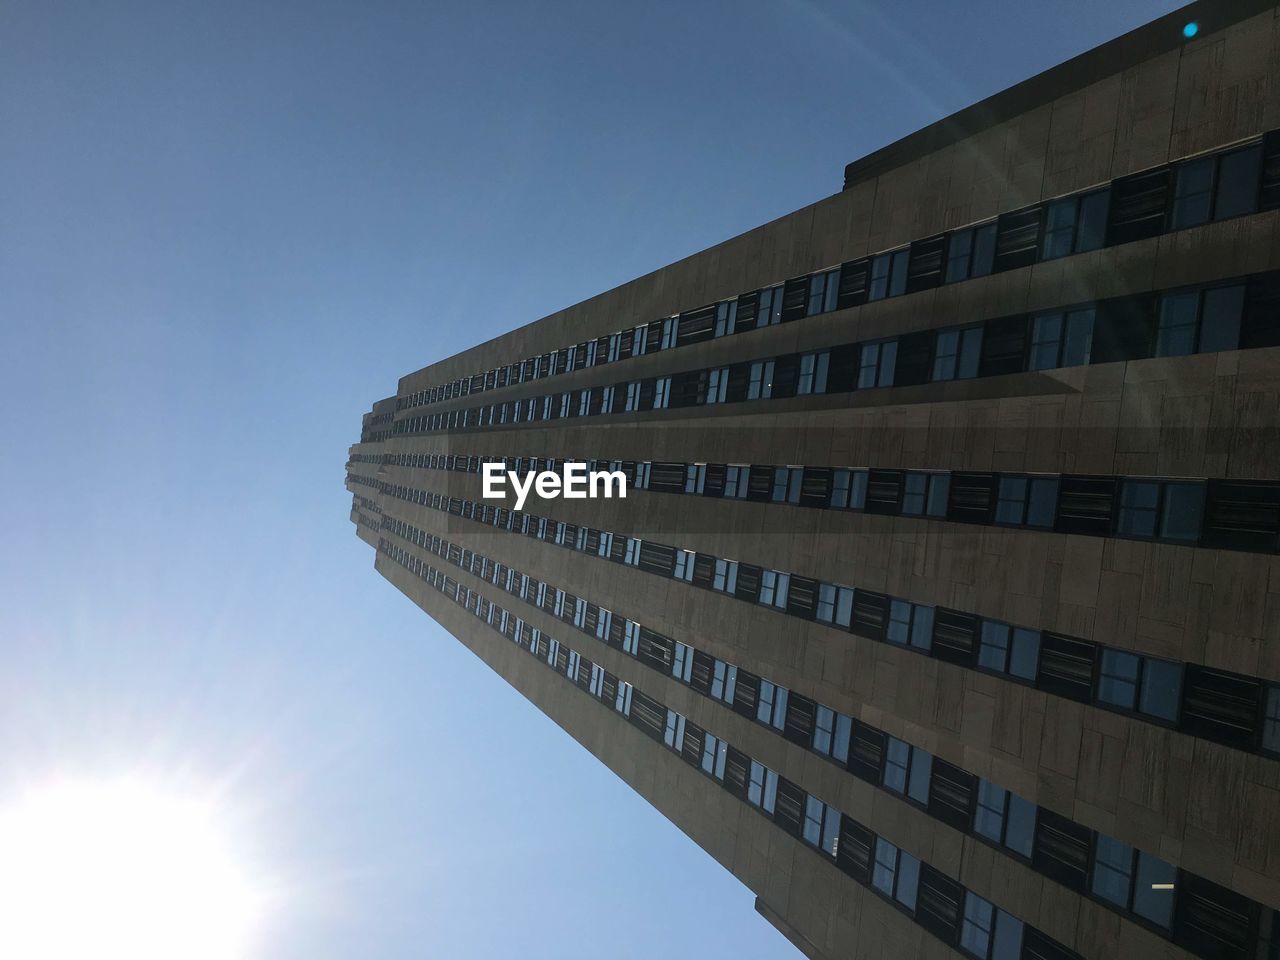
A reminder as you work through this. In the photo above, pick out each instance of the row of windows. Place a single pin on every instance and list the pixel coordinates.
(1242, 313)
(1229, 183)
(1223, 514)
(938, 903)
(955, 796)
(1236, 710)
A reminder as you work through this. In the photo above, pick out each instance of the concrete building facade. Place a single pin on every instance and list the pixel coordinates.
(944, 605)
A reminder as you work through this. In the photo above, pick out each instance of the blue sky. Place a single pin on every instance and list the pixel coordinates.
(225, 229)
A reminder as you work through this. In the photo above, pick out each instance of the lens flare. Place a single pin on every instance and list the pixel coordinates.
(120, 871)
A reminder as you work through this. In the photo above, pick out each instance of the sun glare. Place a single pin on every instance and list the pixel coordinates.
(119, 871)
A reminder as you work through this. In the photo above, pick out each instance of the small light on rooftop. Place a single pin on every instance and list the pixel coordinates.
(1190, 29)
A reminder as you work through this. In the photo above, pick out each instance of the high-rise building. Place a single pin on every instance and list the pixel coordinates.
(943, 608)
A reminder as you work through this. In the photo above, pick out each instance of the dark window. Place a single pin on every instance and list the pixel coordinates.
(1242, 515)
(1061, 850)
(1176, 326)
(952, 794)
(925, 267)
(959, 249)
(1030, 501)
(1004, 342)
(1085, 505)
(1221, 309)
(956, 354)
(1237, 187)
(1061, 339)
(1017, 239)
(1138, 206)
(971, 497)
(1059, 228)
(982, 261)
(1192, 193)
(1067, 666)
(938, 904)
(1212, 921)
(1221, 706)
(876, 364)
(1091, 222)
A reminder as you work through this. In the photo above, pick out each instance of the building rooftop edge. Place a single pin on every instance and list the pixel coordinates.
(1143, 43)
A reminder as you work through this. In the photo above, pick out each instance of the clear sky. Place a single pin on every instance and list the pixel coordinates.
(225, 229)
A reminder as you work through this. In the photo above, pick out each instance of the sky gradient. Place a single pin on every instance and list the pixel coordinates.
(225, 230)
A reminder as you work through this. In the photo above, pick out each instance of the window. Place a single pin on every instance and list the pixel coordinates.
(1004, 818)
(735, 480)
(640, 340)
(908, 880)
(773, 588)
(771, 707)
(1176, 334)
(724, 679)
(1271, 721)
(956, 354)
(1011, 650)
(762, 786)
(1026, 500)
(1118, 680)
(879, 287)
(975, 930)
(1168, 511)
(786, 484)
(606, 400)
(910, 624)
(622, 702)
(897, 759)
(1152, 687)
(1151, 904)
(668, 333)
(849, 489)
(1112, 871)
(682, 662)
(1061, 339)
(1091, 222)
(925, 494)
(971, 252)
(633, 395)
(885, 870)
(673, 735)
(760, 384)
(813, 373)
(726, 317)
(726, 576)
(814, 811)
(835, 604)
(876, 364)
(921, 770)
(717, 385)
(823, 288)
(714, 753)
(684, 564)
(1237, 189)
(1008, 939)
(631, 637)
(1059, 229)
(959, 246)
(1192, 193)
(1220, 312)
(769, 307)
(661, 393)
